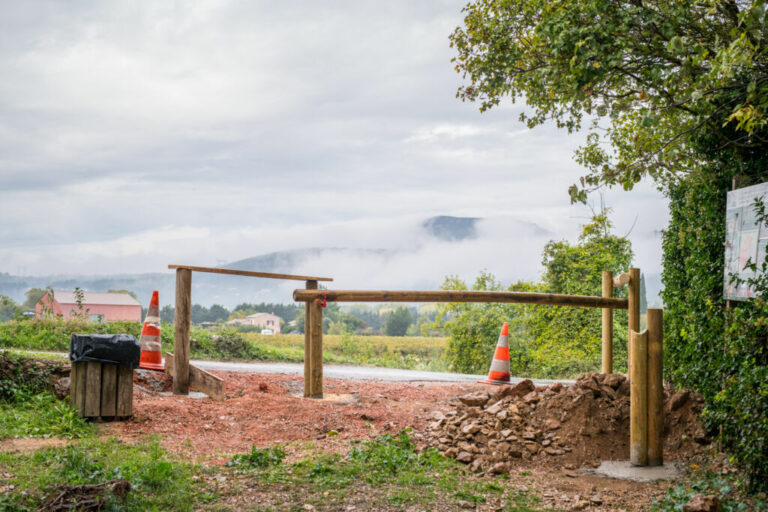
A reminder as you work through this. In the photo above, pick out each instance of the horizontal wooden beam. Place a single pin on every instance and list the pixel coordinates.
(621, 280)
(199, 379)
(248, 273)
(551, 299)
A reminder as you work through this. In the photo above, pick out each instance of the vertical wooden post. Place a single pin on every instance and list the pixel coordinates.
(633, 297)
(655, 321)
(316, 350)
(638, 398)
(182, 323)
(607, 351)
(311, 285)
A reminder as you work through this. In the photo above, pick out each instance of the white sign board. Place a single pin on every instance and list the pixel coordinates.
(745, 239)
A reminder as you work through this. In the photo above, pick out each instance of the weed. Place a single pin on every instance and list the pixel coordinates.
(259, 458)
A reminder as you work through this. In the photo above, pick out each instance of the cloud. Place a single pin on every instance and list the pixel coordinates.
(134, 134)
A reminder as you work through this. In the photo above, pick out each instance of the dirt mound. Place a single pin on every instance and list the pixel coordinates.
(152, 381)
(557, 425)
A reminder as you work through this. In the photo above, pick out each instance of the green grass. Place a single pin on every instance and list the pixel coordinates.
(385, 473)
(158, 481)
(41, 415)
(409, 352)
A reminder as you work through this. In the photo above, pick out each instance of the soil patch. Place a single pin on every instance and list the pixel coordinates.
(263, 410)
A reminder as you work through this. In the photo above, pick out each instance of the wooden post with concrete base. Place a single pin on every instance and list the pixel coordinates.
(655, 387)
(311, 285)
(182, 325)
(638, 398)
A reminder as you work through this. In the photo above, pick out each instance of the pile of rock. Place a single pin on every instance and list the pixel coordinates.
(581, 423)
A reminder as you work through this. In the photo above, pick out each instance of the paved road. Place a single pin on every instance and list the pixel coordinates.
(336, 371)
(353, 372)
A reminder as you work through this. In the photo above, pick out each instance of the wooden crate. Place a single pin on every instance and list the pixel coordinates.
(102, 390)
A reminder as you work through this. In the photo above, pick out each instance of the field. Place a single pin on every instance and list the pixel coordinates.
(410, 352)
(414, 353)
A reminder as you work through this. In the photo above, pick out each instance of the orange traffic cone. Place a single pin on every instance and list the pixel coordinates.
(151, 353)
(499, 373)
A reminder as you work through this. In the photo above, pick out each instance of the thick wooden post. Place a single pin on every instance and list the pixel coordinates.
(311, 285)
(638, 398)
(655, 321)
(316, 350)
(182, 323)
(633, 305)
(607, 351)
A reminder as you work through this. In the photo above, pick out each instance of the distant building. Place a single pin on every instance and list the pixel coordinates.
(264, 320)
(96, 306)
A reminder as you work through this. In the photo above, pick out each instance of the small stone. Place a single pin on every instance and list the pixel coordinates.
(464, 457)
(470, 429)
(475, 399)
(614, 380)
(551, 424)
(703, 503)
(506, 433)
(501, 468)
(550, 451)
(513, 409)
(494, 409)
(596, 499)
(555, 387)
(307, 506)
(579, 504)
(465, 504)
(531, 398)
(502, 415)
(679, 399)
(523, 388)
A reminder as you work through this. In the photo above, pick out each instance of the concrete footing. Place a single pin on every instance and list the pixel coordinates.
(624, 470)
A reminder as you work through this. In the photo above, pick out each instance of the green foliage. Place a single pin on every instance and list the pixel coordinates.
(709, 347)
(157, 482)
(545, 341)
(398, 322)
(474, 327)
(259, 458)
(651, 77)
(33, 296)
(21, 377)
(567, 339)
(8, 308)
(727, 489)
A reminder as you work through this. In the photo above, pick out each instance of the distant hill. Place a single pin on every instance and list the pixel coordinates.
(451, 228)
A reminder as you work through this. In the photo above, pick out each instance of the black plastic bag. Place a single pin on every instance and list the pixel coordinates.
(122, 349)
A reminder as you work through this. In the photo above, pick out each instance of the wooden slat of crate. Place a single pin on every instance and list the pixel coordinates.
(124, 406)
(108, 390)
(92, 407)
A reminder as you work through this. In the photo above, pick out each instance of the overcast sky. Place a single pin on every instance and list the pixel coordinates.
(134, 134)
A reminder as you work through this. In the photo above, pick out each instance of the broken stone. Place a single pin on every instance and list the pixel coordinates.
(551, 424)
(614, 380)
(531, 398)
(500, 468)
(522, 388)
(464, 457)
(470, 429)
(555, 387)
(474, 400)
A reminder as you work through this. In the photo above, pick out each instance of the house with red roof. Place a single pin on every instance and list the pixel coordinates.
(95, 306)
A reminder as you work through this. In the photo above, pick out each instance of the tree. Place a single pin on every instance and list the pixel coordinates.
(647, 77)
(567, 340)
(8, 308)
(398, 321)
(33, 296)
